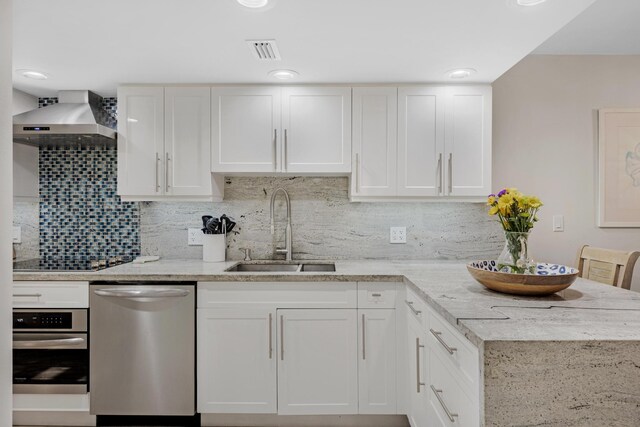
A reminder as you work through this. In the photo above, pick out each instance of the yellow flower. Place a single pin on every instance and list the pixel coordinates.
(534, 202)
(491, 200)
(493, 210)
(503, 207)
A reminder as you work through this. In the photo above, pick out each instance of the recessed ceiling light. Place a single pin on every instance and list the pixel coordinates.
(530, 2)
(253, 4)
(32, 74)
(460, 73)
(283, 74)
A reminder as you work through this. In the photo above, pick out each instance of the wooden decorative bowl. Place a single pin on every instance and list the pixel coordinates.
(548, 278)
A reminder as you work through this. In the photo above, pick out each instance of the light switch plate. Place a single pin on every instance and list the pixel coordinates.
(17, 234)
(558, 223)
(194, 237)
(398, 235)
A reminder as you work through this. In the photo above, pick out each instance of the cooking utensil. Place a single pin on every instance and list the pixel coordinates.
(230, 223)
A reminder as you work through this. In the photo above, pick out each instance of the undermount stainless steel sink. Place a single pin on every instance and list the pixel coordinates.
(281, 267)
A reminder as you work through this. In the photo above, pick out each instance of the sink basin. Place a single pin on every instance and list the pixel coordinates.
(280, 267)
(318, 267)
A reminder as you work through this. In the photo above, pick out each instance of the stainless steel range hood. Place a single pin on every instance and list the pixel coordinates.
(78, 117)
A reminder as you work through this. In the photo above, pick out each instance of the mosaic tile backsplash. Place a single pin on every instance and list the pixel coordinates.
(80, 214)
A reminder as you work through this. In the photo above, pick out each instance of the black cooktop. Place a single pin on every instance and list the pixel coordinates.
(70, 264)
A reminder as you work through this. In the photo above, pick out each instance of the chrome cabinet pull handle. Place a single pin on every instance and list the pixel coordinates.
(450, 173)
(166, 172)
(286, 161)
(357, 172)
(418, 347)
(275, 150)
(444, 406)
(281, 337)
(441, 341)
(27, 295)
(135, 293)
(364, 334)
(410, 305)
(439, 172)
(157, 181)
(270, 336)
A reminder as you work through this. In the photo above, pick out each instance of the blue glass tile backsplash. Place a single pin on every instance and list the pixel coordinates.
(80, 214)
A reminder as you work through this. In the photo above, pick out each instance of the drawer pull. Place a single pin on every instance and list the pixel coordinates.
(270, 336)
(364, 343)
(27, 295)
(441, 341)
(418, 347)
(376, 295)
(410, 305)
(444, 406)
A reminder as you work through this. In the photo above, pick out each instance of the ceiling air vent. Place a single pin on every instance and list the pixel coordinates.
(264, 50)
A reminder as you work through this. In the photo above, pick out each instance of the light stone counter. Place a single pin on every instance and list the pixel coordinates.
(585, 311)
(570, 359)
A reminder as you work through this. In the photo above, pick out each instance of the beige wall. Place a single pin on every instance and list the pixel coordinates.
(545, 143)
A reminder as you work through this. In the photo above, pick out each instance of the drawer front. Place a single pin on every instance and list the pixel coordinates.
(50, 294)
(377, 295)
(450, 402)
(416, 307)
(277, 294)
(452, 346)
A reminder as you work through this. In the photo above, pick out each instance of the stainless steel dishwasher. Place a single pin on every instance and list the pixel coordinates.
(142, 353)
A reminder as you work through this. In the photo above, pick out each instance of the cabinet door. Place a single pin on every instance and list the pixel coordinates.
(416, 351)
(187, 154)
(421, 113)
(317, 362)
(377, 361)
(317, 130)
(245, 125)
(468, 141)
(375, 119)
(236, 361)
(140, 141)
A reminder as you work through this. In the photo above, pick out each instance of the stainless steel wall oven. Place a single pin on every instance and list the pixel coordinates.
(50, 351)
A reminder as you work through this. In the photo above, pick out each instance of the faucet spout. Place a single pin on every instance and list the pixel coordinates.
(287, 250)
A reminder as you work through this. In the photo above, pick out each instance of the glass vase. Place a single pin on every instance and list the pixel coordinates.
(515, 257)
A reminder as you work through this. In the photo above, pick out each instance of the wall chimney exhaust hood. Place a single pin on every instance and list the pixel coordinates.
(78, 117)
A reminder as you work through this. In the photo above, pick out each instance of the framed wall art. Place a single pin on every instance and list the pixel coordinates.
(619, 167)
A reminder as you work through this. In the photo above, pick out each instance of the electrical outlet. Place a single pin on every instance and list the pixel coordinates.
(194, 237)
(398, 235)
(17, 234)
(558, 223)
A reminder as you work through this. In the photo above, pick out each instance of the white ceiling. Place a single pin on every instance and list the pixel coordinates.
(609, 27)
(97, 45)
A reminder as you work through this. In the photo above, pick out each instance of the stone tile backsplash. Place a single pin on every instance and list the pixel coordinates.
(325, 224)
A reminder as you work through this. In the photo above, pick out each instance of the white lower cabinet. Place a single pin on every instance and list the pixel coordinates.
(317, 365)
(236, 361)
(377, 361)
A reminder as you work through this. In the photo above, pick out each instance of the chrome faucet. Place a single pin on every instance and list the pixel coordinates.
(287, 249)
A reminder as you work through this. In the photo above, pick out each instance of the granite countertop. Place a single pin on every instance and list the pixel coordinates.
(585, 311)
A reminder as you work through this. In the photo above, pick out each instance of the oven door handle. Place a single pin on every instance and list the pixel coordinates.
(139, 293)
(49, 343)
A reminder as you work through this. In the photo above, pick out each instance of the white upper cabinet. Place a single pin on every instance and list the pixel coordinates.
(140, 141)
(245, 125)
(316, 123)
(187, 144)
(443, 146)
(164, 144)
(421, 118)
(374, 141)
(468, 141)
(266, 130)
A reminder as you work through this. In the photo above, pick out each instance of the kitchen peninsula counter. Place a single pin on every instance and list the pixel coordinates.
(569, 359)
